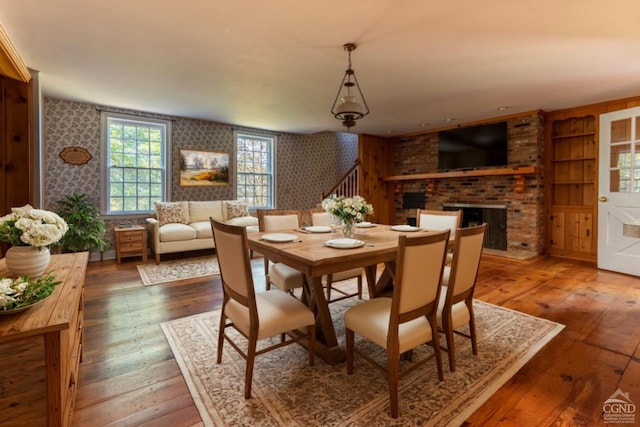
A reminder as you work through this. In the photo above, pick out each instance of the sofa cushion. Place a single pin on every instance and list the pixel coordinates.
(236, 209)
(174, 232)
(170, 212)
(203, 229)
(243, 221)
(201, 211)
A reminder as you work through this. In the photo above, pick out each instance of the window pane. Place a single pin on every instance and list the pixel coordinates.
(621, 130)
(135, 164)
(254, 154)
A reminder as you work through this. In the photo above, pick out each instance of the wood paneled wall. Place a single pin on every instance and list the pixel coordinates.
(15, 144)
(376, 154)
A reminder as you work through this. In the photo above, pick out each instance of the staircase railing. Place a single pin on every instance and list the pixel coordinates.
(348, 185)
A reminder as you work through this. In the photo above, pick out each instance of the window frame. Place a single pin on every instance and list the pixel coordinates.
(237, 134)
(105, 117)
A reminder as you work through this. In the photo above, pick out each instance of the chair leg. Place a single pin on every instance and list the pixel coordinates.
(329, 284)
(266, 274)
(435, 340)
(360, 286)
(349, 341)
(472, 328)
(448, 331)
(251, 356)
(223, 321)
(392, 373)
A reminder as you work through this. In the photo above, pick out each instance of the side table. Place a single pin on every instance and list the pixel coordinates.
(130, 241)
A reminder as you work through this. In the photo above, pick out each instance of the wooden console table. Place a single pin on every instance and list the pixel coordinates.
(59, 321)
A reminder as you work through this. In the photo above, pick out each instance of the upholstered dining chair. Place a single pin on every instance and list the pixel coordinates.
(280, 275)
(458, 284)
(407, 319)
(440, 220)
(322, 217)
(256, 316)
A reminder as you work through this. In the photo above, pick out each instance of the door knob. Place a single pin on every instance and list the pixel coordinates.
(603, 199)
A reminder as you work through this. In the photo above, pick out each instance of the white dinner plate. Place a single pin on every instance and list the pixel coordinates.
(344, 243)
(279, 237)
(405, 228)
(318, 229)
(364, 224)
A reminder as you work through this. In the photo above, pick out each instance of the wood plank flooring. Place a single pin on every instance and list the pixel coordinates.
(128, 376)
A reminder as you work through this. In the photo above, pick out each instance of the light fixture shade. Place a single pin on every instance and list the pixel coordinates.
(353, 106)
(348, 106)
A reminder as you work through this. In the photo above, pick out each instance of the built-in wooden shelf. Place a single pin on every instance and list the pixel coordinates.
(518, 173)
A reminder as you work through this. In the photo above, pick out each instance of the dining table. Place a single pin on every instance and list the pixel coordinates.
(315, 254)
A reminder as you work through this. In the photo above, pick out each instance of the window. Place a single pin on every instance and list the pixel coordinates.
(135, 169)
(255, 169)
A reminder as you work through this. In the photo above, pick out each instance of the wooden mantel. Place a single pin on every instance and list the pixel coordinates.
(518, 173)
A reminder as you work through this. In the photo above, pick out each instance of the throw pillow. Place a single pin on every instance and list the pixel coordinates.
(237, 209)
(169, 212)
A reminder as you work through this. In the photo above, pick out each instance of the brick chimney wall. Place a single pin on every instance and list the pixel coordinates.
(525, 211)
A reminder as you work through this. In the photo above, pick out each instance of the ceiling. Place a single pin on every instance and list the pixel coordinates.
(277, 64)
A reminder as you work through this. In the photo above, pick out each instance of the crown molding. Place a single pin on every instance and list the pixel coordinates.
(11, 64)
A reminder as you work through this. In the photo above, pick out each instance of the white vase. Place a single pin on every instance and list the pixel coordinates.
(27, 260)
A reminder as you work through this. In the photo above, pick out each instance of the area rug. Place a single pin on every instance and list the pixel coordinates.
(288, 392)
(171, 271)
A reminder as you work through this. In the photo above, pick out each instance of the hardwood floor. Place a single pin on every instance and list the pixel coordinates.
(128, 376)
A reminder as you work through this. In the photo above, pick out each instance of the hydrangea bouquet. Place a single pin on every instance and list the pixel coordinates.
(349, 210)
(26, 226)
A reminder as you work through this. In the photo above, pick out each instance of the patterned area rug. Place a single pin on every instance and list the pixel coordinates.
(288, 392)
(171, 271)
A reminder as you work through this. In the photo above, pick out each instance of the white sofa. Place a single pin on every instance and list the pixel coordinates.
(184, 226)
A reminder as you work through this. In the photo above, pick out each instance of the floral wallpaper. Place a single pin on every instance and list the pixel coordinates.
(306, 165)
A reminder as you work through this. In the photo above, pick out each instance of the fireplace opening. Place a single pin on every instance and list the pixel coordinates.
(494, 215)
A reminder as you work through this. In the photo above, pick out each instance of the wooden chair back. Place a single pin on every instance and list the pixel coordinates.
(457, 308)
(418, 277)
(467, 251)
(232, 250)
(439, 220)
(278, 219)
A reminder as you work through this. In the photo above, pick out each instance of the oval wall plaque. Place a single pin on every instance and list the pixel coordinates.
(75, 155)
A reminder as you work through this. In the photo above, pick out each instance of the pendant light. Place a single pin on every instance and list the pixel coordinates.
(349, 104)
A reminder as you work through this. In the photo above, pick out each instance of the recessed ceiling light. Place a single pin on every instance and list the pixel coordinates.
(424, 124)
(503, 108)
(449, 119)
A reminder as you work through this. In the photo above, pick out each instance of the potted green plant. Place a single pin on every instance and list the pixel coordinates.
(87, 229)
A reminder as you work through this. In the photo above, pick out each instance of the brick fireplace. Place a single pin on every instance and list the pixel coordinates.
(523, 212)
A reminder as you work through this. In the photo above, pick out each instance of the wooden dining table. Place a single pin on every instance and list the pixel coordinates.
(309, 254)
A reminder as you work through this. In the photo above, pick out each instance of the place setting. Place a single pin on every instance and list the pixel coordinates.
(405, 228)
(344, 243)
(280, 238)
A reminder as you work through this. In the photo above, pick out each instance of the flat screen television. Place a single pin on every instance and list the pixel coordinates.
(473, 147)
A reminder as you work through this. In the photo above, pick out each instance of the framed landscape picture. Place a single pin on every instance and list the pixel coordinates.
(203, 168)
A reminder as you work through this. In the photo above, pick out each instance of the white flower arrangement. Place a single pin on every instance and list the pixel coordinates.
(21, 292)
(26, 226)
(347, 208)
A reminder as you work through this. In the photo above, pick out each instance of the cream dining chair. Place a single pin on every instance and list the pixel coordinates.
(322, 217)
(280, 275)
(459, 281)
(407, 319)
(440, 220)
(255, 316)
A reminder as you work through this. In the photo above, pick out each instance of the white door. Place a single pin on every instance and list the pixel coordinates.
(619, 192)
